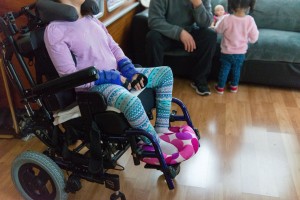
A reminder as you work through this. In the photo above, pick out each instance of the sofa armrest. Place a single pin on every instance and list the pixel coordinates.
(63, 83)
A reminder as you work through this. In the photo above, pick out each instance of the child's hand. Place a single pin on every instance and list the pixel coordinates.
(125, 83)
(140, 84)
(139, 81)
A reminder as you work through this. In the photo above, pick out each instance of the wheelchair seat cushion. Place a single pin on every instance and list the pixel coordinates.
(183, 138)
(73, 111)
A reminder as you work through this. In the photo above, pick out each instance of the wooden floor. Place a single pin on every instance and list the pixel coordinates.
(250, 150)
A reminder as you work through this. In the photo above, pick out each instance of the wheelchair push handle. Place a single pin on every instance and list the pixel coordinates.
(24, 10)
(8, 19)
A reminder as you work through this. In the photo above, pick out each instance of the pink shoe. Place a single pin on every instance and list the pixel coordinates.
(219, 90)
(233, 89)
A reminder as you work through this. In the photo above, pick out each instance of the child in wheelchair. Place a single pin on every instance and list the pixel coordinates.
(73, 46)
(91, 44)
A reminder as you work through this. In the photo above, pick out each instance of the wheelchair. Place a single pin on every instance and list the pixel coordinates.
(85, 146)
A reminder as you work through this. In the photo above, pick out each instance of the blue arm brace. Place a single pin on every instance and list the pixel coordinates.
(111, 76)
(126, 68)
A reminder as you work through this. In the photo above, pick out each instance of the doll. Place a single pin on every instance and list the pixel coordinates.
(219, 13)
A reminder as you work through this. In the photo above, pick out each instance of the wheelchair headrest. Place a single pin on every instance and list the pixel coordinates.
(49, 10)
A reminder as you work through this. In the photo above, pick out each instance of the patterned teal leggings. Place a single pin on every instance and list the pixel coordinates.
(160, 79)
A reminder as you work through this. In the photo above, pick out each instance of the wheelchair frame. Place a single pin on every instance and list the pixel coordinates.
(103, 149)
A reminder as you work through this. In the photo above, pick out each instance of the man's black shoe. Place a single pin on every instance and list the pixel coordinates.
(202, 90)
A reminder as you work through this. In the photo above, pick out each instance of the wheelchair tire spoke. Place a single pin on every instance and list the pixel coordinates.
(44, 192)
(43, 177)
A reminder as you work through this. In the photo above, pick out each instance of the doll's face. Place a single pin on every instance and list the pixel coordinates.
(219, 11)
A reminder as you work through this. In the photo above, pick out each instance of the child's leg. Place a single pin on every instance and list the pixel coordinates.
(236, 69)
(161, 79)
(224, 69)
(130, 105)
(133, 110)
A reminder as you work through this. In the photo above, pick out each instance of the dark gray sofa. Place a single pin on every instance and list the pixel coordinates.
(273, 60)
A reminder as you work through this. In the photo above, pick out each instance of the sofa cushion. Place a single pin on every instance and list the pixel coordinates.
(275, 45)
(277, 14)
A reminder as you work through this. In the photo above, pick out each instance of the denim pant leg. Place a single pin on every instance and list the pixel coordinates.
(236, 68)
(224, 70)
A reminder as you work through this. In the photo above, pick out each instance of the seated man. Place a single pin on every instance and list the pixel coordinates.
(183, 24)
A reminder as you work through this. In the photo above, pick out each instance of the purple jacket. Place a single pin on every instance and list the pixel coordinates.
(88, 40)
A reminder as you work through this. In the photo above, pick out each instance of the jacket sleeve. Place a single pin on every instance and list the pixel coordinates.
(203, 14)
(220, 26)
(157, 20)
(114, 47)
(60, 53)
(253, 31)
(158, 11)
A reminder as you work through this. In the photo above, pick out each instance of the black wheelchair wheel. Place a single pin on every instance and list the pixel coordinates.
(37, 177)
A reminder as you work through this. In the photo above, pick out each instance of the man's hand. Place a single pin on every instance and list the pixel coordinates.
(196, 3)
(188, 41)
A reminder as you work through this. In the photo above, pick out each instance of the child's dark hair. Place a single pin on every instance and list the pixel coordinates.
(244, 4)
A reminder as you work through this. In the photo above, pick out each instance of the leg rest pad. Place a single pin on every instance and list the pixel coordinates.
(183, 138)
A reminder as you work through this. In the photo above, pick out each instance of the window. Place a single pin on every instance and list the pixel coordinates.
(101, 8)
(113, 4)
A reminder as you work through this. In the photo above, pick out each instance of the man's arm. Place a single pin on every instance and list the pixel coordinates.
(202, 12)
(196, 3)
(157, 20)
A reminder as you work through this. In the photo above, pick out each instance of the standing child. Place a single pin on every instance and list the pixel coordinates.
(238, 29)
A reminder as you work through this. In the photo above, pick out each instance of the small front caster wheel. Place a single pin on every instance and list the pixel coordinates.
(174, 170)
(117, 195)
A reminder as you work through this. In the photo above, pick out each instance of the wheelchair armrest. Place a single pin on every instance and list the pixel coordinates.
(63, 83)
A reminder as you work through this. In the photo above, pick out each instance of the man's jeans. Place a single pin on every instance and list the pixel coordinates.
(230, 63)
